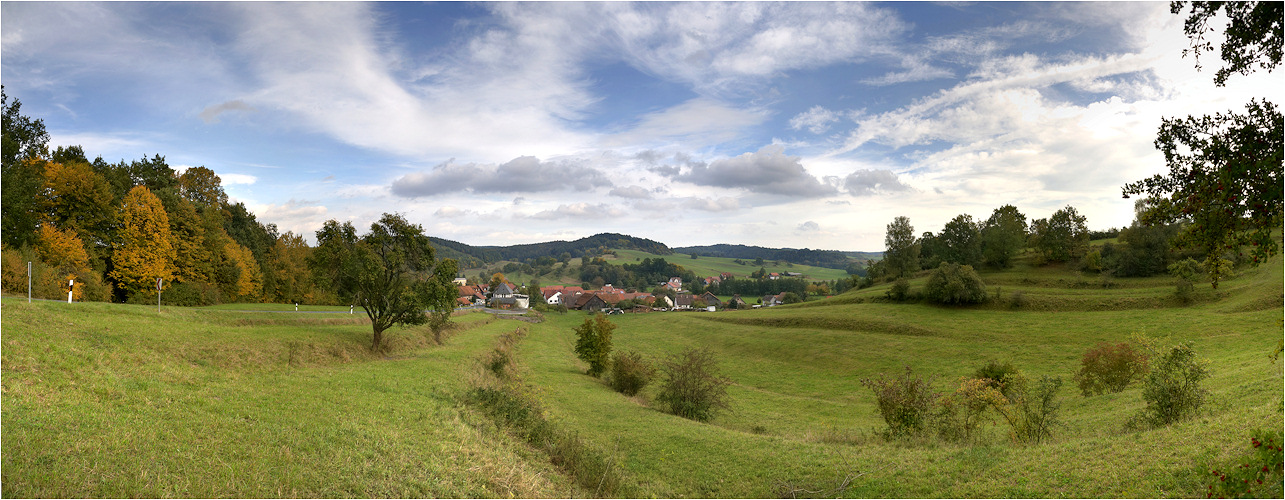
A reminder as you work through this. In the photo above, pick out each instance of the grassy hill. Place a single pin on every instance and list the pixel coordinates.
(115, 400)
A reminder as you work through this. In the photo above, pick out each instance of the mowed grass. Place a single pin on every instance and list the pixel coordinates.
(108, 400)
(802, 424)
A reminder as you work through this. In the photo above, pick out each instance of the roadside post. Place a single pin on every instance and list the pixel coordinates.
(71, 287)
(158, 293)
(28, 282)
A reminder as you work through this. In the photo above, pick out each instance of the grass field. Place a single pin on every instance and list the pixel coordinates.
(105, 400)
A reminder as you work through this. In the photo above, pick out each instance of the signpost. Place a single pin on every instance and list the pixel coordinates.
(158, 293)
(28, 282)
(71, 287)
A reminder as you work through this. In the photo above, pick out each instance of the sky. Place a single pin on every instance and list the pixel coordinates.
(803, 125)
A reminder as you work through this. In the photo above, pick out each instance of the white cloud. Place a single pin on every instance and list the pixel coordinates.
(694, 124)
(817, 120)
(580, 211)
(303, 218)
(229, 179)
(525, 174)
(767, 171)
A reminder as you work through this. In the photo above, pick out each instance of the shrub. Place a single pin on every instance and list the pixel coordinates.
(1033, 412)
(1257, 474)
(953, 283)
(1185, 273)
(692, 387)
(1017, 300)
(1110, 368)
(961, 413)
(1004, 377)
(900, 290)
(905, 403)
(1172, 390)
(630, 372)
(593, 343)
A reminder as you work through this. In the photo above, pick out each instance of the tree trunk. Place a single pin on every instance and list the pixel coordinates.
(379, 337)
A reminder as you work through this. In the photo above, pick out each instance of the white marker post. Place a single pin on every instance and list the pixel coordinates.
(349, 308)
(28, 282)
(158, 293)
(296, 307)
(71, 287)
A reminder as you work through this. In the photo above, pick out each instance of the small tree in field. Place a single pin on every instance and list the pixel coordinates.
(952, 283)
(593, 343)
(1110, 368)
(692, 387)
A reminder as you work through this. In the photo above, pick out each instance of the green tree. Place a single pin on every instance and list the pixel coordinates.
(961, 241)
(75, 197)
(1224, 170)
(954, 283)
(146, 250)
(202, 187)
(24, 141)
(1062, 237)
(1003, 235)
(389, 272)
(593, 343)
(902, 251)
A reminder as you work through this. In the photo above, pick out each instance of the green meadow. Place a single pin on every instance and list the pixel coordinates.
(107, 400)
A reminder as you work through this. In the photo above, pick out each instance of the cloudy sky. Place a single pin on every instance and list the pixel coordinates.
(796, 124)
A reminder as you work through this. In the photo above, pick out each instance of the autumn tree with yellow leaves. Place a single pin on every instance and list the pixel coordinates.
(146, 250)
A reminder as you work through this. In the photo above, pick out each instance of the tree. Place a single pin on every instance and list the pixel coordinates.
(389, 272)
(954, 283)
(693, 387)
(902, 251)
(202, 187)
(1062, 237)
(76, 198)
(24, 141)
(961, 241)
(1003, 235)
(1224, 170)
(1253, 35)
(146, 250)
(593, 343)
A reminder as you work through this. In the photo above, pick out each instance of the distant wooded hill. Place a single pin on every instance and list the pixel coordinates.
(471, 256)
(477, 256)
(832, 259)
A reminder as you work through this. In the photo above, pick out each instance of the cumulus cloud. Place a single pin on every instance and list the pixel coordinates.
(631, 192)
(872, 182)
(580, 211)
(525, 174)
(722, 204)
(229, 179)
(767, 171)
(301, 217)
(808, 227)
(817, 120)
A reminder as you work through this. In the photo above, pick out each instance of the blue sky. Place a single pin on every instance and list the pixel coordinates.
(795, 124)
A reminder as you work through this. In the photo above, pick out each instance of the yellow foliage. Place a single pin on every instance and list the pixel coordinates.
(61, 248)
(146, 251)
(250, 284)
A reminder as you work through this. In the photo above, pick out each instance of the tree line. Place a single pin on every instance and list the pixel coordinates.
(116, 228)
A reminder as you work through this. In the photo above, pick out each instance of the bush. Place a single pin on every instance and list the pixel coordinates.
(1017, 300)
(900, 290)
(630, 372)
(1003, 377)
(905, 403)
(1172, 390)
(593, 343)
(692, 387)
(953, 283)
(1033, 412)
(1185, 273)
(961, 413)
(1110, 368)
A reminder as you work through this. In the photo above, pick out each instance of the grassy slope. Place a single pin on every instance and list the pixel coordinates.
(797, 369)
(117, 401)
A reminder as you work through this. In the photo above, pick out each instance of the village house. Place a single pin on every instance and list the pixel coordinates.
(737, 303)
(710, 299)
(772, 300)
(683, 302)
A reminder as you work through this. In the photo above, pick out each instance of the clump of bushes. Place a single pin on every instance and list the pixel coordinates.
(1003, 377)
(900, 290)
(593, 343)
(630, 372)
(692, 387)
(953, 283)
(1172, 389)
(1185, 273)
(905, 402)
(910, 406)
(1110, 368)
